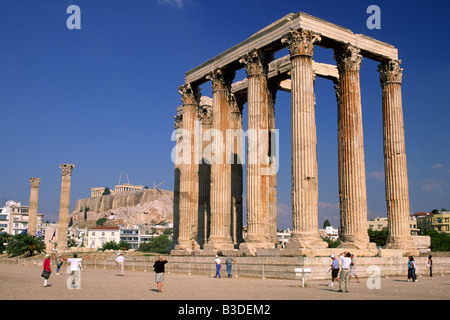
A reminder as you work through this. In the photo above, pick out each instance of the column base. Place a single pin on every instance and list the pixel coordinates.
(187, 245)
(306, 241)
(251, 248)
(218, 244)
(406, 244)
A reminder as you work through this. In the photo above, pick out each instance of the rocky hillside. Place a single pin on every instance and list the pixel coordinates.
(141, 207)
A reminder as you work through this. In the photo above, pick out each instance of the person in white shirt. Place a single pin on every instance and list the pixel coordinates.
(119, 261)
(218, 265)
(74, 280)
(346, 260)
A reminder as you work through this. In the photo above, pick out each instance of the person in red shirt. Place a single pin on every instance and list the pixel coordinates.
(47, 269)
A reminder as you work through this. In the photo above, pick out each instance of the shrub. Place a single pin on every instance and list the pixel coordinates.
(158, 244)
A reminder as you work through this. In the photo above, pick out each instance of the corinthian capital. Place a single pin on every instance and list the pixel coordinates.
(189, 94)
(348, 57)
(390, 72)
(35, 182)
(221, 79)
(301, 42)
(67, 169)
(257, 62)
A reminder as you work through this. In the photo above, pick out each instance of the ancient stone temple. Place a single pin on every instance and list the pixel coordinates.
(209, 161)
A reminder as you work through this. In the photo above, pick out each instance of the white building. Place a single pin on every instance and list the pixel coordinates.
(98, 236)
(14, 218)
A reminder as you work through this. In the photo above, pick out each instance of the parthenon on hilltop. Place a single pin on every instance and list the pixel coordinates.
(208, 190)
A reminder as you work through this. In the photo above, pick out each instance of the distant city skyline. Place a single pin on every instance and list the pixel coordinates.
(104, 96)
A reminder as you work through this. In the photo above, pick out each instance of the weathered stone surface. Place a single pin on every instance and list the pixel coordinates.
(148, 206)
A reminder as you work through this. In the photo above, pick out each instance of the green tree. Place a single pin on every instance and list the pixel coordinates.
(106, 192)
(101, 221)
(158, 244)
(379, 237)
(440, 241)
(326, 223)
(22, 244)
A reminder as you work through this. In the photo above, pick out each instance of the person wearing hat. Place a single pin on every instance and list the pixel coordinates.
(334, 268)
(47, 269)
(120, 263)
(218, 265)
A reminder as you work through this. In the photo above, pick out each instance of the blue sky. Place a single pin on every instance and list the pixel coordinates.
(104, 97)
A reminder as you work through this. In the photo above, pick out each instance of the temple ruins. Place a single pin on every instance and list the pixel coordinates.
(208, 191)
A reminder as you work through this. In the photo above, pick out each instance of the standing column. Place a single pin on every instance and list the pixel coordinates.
(273, 151)
(188, 215)
(64, 206)
(235, 143)
(395, 168)
(176, 186)
(220, 230)
(259, 226)
(204, 171)
(305, 190)
(352, 193)
(32, 211)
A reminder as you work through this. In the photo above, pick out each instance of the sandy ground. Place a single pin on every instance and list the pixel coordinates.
(25, 283)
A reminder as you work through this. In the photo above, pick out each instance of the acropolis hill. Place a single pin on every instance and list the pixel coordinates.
(139, 207)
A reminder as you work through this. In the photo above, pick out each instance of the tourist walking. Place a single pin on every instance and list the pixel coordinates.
(74, 280)
(409, 268)
(353, 269)
(47, 270)
(430, 265)
(346, 260)
(59, 262)
(158, 267)
(120, 264)
(218, 266)
(334, 268)
(229, 261)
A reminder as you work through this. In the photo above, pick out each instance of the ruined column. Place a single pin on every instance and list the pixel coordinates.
(305, 190)
(395, 168)
(352, 193)
(188, 211)
(259, 222)
(64, 206)
(220, 229)
(32, 211)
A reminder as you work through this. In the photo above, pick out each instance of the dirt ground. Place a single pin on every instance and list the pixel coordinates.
(19, 282)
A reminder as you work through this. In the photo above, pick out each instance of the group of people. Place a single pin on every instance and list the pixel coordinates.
(348, 269)
(412, 268)
(73, 282)
(229, 261)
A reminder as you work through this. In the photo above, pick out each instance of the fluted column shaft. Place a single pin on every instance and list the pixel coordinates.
(236, 170)
(64, 206)
(396, 173)
(32, 211)
(259, 222)
(352, 193)
(188, 215)
(273, 150)
(305, 193)
(220, 229)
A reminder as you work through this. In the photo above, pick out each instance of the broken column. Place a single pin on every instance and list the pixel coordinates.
(32, 211)
(64, 206)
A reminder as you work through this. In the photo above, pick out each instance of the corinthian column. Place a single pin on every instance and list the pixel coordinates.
(305, 191)
(32, 211)
(395, 169)
(188, 211)
(352, 175)
(220, 230)
(64, 206)
(259, 221)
